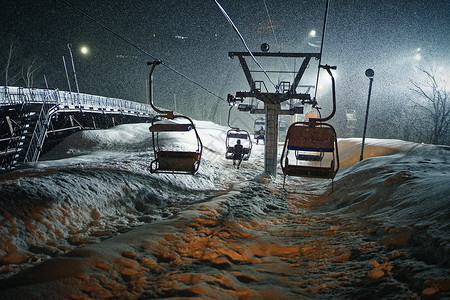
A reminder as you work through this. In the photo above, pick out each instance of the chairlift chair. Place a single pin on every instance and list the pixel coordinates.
(245, 107)
(173, 158)
(310, 150)
(259, 122)
(169, 158)
(233, 135)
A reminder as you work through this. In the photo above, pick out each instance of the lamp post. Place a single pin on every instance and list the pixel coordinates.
(369, 74)
(73, 67)
(67, 74)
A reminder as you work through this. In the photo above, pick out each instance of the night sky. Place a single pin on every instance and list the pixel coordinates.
(193, 37)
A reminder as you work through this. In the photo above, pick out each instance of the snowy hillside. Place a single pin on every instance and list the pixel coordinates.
(92, 222)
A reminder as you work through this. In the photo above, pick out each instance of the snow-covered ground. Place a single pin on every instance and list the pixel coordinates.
(91, 221)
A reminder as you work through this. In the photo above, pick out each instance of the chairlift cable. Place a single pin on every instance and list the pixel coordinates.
(192, 81)
(270, 21)
(273, 30)
(243, 42)
(140, 49)
(321, 48)
(108, 29)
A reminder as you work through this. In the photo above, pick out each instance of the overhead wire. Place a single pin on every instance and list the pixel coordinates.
(243, 42)
(272, 26)
(140, 49)
(270, 22)
(321, 48)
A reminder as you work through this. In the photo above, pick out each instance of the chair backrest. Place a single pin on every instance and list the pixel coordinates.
(305, 138)
(238, 135)
(170, 127)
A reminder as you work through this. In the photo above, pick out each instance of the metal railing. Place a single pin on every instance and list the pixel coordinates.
(70, 100)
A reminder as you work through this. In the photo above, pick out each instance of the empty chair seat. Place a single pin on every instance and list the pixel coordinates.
(174, 161)
(302, 138)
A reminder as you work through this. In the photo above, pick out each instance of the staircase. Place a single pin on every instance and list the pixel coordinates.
(28, 123)
(38, 136)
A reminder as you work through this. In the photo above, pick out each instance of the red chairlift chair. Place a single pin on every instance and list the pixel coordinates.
(310, 148)
(315, 151)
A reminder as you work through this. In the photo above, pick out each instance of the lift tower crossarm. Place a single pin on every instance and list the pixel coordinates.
(274, 98)
(280, 97)
(275, 54)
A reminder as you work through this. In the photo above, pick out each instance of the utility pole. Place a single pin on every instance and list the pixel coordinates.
(67, 74)
(73, 67)
(175, 102)
(45, 80)
(369, 74)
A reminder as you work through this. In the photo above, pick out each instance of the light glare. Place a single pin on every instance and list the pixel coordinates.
(84, 50)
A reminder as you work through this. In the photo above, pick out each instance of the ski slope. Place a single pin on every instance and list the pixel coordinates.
(91, 221)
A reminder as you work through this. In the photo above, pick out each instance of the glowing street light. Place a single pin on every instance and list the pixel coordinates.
(84, 50)
(313, 40)
(418, 55)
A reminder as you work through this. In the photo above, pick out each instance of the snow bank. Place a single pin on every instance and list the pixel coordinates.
(350, 149)
(409, 186)
(94, 185)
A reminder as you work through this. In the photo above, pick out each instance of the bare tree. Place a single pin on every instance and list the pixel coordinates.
(28, 72)
(17, 67)
(11, 71)
(432, 109)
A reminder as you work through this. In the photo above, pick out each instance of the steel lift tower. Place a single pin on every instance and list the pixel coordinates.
(272, 100)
